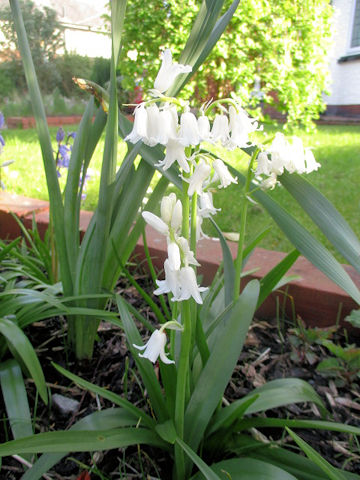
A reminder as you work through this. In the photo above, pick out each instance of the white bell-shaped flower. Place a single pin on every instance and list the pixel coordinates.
(171, 282)
(241, 125)
(139, 131)
(168, 72)
(220, 129)
(197, 179)
(223, 173)
(189, 257)
(189, 286)
(167, 206)
(175, 152)
(154, 130)
(167, 127)
(155, 348)
(206, 205)
(199, 231)
(311, 163)
(155, 222)
(269, 183)
(279, 150)
(204, 128)
(263, 164)
(189, 130)
(176, 217)
(296, 156)
(174, 256)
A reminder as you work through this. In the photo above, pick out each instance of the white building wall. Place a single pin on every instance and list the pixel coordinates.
(87, 43)
(345, 76)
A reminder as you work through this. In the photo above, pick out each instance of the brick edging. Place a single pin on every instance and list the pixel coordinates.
(317, 300)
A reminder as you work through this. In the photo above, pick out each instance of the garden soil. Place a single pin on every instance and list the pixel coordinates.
(274, 349)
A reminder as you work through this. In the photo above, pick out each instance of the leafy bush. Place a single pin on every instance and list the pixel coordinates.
(283, 43)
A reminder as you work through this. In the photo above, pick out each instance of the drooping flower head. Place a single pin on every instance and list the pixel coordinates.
(168, 72)
(155, 348)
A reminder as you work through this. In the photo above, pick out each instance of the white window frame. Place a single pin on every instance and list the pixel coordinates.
(352, 50)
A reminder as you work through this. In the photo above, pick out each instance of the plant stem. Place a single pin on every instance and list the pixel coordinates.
(181, 385)
(193, 223)
(244, 207)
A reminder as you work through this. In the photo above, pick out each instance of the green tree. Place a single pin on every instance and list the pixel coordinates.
(279, 45)
(45, 38)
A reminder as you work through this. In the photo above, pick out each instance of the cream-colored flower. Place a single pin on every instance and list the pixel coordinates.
(188, 286)
(201, 173)
(168, 72)
(175, 152)
(155, 348)
(223, 173)
(139, 131)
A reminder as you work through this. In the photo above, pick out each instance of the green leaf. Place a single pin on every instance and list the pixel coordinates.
(122, 402)
(354, 318)
(303, 241)
(259, 422)
(270, 281)
(205, 32)
(227, 416)
(299, 466)
(104, 419)
(166, 431)
(145, 367)
(21, 344)
(208, 472)
(229, 269)
(15, 398)
(330, 471)
(216, 373)
(5, 249)
(282, 391)
(308, 246)
(56, 205)
(248, 469)
(325, 216)
(81, 441)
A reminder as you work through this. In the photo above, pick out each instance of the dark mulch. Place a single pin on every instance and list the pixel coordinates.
(271, 352)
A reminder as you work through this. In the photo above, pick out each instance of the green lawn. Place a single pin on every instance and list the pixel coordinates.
(337, 148)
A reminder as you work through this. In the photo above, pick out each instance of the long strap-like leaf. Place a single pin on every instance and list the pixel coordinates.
(56, 205)
(325, 216)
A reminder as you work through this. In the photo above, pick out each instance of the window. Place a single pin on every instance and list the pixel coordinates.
(355, 34)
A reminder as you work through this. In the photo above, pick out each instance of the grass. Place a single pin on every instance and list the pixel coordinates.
(337, 148)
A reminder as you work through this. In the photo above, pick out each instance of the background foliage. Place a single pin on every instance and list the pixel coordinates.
(284, 43)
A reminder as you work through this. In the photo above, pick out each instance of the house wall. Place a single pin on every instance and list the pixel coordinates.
(345, 75)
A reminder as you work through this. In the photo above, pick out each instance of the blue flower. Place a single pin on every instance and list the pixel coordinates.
(64, 159)
(2, 120)
(60, 135)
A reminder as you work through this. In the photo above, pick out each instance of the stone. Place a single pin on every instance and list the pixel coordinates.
(65, 405)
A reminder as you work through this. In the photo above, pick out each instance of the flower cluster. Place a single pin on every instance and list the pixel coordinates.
(64, 149)
(170, 122)
(284, 155)
(180, 278)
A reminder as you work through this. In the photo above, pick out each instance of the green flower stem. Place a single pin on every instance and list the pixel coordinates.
(244, 207)
(220, 102)
(193, 223)
(154, 277)
(185, 208)
(182, 385)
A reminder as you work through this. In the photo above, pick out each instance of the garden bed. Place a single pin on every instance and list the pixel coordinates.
(274, 349)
